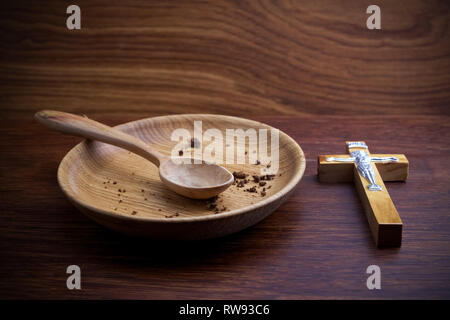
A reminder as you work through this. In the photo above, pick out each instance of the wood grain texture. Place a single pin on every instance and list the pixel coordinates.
(283, 57)
(310, 68)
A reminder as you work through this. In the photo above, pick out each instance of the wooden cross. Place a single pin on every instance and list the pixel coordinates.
(384, 221)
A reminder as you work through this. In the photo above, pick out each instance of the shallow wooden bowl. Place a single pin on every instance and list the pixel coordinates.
(123, 192)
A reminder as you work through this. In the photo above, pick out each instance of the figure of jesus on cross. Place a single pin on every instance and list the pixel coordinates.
(368, 172)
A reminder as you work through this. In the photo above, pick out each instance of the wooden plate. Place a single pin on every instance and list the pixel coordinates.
(122, 191)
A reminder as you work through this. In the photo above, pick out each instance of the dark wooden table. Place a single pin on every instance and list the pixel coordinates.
(310, 69)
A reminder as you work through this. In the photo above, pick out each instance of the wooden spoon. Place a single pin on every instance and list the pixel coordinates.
(197, 181)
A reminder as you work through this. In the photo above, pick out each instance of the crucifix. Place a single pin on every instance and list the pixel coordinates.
(368, 173)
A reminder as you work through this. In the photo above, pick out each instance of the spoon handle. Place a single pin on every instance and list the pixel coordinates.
(87, 128)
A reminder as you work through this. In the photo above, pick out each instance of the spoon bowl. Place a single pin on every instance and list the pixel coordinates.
(197, 181)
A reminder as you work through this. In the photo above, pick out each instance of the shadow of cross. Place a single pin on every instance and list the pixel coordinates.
(384, 220)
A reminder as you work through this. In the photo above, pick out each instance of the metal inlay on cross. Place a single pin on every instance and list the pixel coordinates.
(368, 172)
